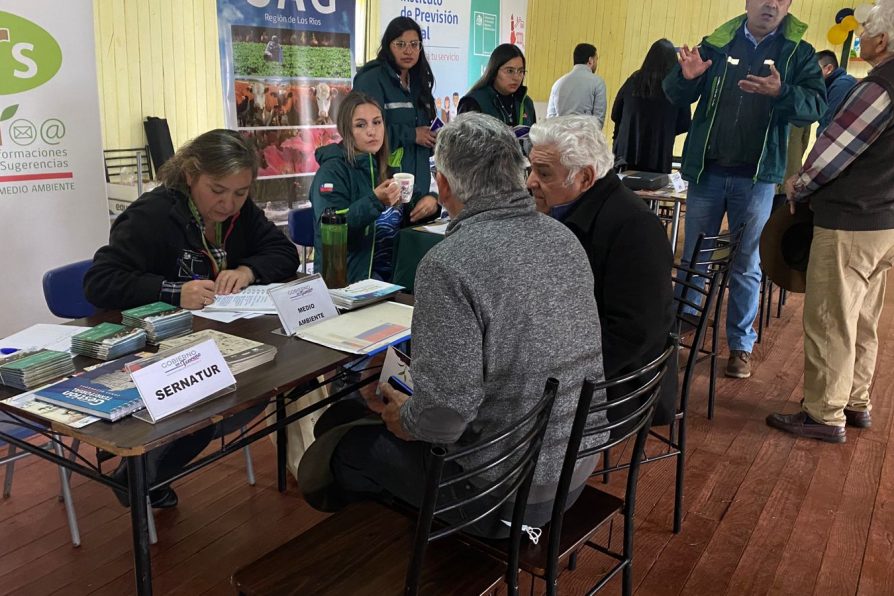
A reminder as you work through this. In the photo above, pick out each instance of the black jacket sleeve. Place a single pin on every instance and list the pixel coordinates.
(122, 275)
(268, 252)
(637, 308)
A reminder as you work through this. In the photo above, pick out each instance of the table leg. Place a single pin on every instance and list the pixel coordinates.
(137, 489)
(281, 441)
(675, 226)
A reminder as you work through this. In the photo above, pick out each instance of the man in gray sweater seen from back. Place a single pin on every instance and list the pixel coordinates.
(503, 303)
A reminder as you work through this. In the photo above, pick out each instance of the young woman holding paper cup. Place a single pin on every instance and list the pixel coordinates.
(400, 80)
(354, 178)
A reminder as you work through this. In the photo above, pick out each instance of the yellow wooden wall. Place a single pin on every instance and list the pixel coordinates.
(160, 57)
(623, 31)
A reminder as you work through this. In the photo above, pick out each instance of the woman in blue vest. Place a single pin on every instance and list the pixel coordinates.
(401, 81)
(354, 178)
(500, 92)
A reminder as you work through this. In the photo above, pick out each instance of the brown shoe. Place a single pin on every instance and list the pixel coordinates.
(858, 418)
(739, 364)
(804, 426)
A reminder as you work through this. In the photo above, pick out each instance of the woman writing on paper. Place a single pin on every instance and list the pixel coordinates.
(195, 236)
(500, 91)
(353, 177)
(401, 81)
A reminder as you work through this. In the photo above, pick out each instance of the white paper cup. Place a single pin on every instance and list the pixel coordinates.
(406, 186)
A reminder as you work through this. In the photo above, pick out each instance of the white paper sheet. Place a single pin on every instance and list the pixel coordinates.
(43, 335)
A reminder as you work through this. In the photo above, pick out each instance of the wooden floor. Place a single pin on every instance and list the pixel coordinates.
(765, 513)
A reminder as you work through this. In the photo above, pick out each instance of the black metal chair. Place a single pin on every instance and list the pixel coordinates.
(569, 531)
(711, 263)
(694, 329)
(119, 161)
(359, 549)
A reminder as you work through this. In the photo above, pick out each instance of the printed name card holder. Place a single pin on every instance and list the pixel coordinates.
(176, 380)
(302, 303)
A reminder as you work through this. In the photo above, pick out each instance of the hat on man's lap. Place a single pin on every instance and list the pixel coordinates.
(785, 247)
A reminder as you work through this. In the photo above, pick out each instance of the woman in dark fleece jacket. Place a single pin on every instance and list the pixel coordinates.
(195, 236)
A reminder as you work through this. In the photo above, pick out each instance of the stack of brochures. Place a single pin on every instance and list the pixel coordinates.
(241, 354)
(361, 293)
(29, 369)
(108, 341)
(160, 320)
(106, 391)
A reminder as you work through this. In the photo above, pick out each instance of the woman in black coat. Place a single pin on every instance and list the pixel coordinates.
(645, 121)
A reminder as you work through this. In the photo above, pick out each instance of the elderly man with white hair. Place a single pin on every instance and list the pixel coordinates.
(848, 180)
(627, 248)
(504, 302)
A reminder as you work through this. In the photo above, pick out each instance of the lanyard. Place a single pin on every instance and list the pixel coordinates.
(217, 265)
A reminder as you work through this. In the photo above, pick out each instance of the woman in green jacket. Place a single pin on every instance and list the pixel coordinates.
(354, 177)
(500, 92)
(401, 81)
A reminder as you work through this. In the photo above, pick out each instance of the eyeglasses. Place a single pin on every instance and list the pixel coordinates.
(514, 71)
(414, 45)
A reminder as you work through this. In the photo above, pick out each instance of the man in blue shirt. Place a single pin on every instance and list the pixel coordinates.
(838, 85)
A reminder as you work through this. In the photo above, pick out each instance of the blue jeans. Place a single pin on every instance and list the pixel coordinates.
(744, 202)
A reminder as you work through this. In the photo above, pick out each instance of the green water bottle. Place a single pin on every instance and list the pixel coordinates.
(334, 233)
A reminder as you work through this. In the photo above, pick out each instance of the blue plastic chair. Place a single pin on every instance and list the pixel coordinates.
(63, 289)
(301, 229)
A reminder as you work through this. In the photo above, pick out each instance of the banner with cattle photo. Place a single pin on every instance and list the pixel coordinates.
(285, 67)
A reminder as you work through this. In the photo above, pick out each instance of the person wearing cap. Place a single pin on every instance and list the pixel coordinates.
(754, 77)
(848, 180)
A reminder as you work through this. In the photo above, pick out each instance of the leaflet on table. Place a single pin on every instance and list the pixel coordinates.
(253, 299)
(439, 228)
(175, 380)
(397, 364)
(302, 303)
(362, 293)
(29, 403)
(364, 331)
(106, 391)
(43, 335)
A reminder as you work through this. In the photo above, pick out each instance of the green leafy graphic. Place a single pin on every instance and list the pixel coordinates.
(9, 112)
(298, 61)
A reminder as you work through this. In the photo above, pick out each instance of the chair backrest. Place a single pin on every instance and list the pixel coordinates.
(716, 253)
(301, 226)
(116, 161)
(697, 291)
(518, 447)
(643, 387)
(158, 136)
(63, 289)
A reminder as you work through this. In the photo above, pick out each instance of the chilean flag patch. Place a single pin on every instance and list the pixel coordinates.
(328, 187)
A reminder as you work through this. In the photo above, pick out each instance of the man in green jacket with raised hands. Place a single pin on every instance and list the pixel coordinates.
(753, 78)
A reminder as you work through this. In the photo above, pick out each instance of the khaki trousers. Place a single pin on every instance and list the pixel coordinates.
(845, 295)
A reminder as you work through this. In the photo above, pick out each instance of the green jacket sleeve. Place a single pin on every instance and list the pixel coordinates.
(362, 210)
(803, 99)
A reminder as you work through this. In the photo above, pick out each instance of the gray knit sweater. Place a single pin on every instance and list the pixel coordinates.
(503, 303)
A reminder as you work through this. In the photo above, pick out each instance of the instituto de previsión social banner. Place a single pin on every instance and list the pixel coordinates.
(286, 65)
(52, 188)
(458, 37)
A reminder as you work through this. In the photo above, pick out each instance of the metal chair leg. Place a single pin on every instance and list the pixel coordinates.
(760, 309)
(66, 495)
(153, 535)
(10, 469)
(249, 466)
(605, 465)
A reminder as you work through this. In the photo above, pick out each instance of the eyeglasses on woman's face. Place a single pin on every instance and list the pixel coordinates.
(514, 72)
(401, 45)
